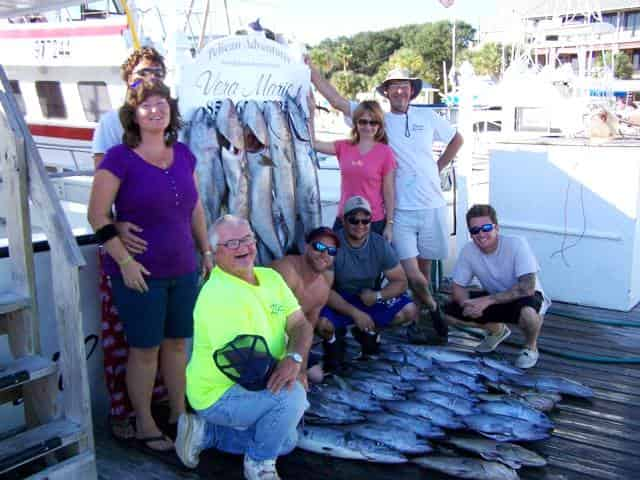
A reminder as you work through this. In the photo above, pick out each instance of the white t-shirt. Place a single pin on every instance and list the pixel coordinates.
(499, 270)
(108, 133)
(411, 137)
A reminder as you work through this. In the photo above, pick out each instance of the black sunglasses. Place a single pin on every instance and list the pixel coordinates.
(147, 71)
(358, 221)
(321, 247)
(372, 123)
(487, 227)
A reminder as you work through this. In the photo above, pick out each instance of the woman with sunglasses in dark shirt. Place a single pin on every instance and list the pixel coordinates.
(367, 166)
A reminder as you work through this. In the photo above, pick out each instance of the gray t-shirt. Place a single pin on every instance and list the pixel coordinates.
(360, 268)
(498, 271)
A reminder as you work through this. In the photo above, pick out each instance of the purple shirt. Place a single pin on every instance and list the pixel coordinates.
(161, 203)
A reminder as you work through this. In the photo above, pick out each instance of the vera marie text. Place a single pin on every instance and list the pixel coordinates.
(213, 85)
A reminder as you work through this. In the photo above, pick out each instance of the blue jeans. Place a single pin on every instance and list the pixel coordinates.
(259, 424)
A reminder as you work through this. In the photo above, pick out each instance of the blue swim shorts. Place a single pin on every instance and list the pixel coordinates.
(382, 313)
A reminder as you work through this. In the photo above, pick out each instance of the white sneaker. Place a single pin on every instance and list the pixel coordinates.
(491, 342)
(190, 438)
(527, 358)
(265, 470)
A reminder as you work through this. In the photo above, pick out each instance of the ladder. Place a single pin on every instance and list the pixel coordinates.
(57, 440)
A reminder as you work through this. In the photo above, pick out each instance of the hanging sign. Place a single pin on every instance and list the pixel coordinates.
(241, 67)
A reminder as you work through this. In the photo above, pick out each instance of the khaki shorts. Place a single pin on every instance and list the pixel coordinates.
(421, 233)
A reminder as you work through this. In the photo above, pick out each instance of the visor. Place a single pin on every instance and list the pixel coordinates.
(247, 361)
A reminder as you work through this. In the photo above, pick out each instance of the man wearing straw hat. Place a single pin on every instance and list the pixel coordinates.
(420, 232)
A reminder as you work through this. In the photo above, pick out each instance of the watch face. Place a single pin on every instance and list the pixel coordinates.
(295, 356)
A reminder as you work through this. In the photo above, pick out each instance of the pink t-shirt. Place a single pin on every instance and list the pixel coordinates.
(362, 174)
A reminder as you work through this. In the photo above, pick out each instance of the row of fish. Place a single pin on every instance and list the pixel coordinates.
(256, 160)
(417, 403)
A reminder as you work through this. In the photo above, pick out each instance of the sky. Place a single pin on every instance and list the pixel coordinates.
(310, 21)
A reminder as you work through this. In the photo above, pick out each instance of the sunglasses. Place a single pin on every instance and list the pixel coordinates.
(235, 243)
(487, 227)
(358, 221)
(148, 71)
(321, 247)
(372, 123)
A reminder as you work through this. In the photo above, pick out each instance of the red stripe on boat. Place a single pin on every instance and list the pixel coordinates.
(94, 31)
(57, 131)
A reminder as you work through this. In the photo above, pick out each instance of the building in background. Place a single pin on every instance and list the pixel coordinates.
(566, 31)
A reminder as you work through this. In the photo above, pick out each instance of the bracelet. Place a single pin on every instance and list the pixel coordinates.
(390, 222)
(208, 253)
(106, 233)
(126, 260)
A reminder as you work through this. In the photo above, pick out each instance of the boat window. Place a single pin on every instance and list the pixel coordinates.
(17, 93)
(51, 99)
(95, 99)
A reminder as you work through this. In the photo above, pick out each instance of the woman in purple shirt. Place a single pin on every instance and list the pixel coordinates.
(150, 181)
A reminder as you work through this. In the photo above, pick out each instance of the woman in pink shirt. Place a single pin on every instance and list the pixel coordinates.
(367, 166)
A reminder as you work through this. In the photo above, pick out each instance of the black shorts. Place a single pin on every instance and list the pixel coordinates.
(499, 312)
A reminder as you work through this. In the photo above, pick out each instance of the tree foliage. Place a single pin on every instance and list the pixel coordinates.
(488, 59)
(422, 48)
(622, 66)
(402, 58)
(349, 83)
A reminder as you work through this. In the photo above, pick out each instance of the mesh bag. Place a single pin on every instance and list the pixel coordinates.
(247, 361)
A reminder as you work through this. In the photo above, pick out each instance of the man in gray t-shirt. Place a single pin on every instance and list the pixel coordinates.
(507, 271)
(355, 298)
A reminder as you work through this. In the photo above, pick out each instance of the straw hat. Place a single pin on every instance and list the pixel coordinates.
(401, 74)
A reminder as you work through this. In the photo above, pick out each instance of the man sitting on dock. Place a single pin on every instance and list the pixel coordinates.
(247, 396)
(507, 271)
(362, 259)
(309, 276)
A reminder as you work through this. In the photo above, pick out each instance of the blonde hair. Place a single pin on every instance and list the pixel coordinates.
(373, 108)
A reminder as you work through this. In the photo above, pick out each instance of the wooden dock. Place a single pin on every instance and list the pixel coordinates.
(593, 439)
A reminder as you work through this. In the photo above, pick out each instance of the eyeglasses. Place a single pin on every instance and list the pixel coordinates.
(321, 247)
(487, 227)
(235, 243)
(358, 221)
(149, 71)
(372, 123)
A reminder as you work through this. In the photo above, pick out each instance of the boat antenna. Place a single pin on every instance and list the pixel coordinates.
(203, 30)
(226, 12)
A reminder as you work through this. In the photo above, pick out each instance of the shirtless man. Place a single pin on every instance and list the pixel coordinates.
(310, 276)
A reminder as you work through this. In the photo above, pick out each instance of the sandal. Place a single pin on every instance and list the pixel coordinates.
(122, 429)
(144, 444)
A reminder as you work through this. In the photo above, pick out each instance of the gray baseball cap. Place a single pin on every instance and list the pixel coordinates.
(356, 203)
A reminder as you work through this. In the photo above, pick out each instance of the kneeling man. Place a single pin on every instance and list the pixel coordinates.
(238, 416)
(309, 276)
(507, 271)
(356, 297)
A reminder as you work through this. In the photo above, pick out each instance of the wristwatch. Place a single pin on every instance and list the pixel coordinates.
(295, 356)
(379, 296)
